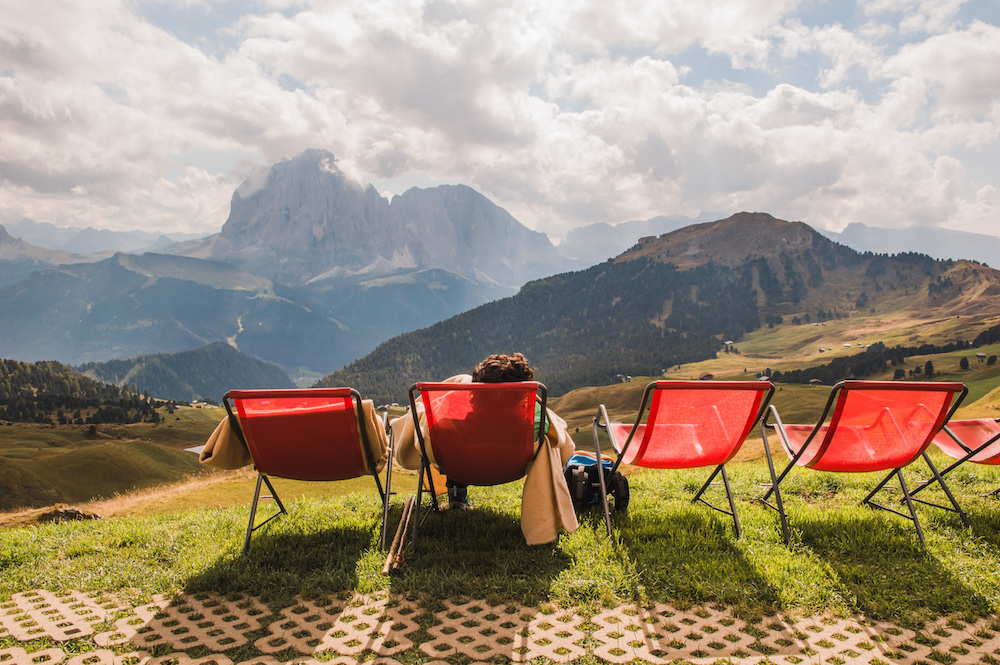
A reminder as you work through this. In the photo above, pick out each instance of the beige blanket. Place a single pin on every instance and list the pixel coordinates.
(546, 506)
(225, 450)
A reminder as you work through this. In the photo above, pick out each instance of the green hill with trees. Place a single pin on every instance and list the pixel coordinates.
(203, 373)
(49, 392)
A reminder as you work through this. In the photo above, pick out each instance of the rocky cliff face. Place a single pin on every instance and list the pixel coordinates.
(465, 232)
(302, 221)
(302, 218)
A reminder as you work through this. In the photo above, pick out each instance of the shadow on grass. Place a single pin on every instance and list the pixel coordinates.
(984, 515)
(478, 553)
(318, 548)
(686, 554)
(882, 568)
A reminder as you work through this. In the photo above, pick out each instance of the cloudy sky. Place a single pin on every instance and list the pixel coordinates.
(127, 114)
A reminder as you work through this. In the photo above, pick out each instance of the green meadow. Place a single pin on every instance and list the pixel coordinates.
(184, 534)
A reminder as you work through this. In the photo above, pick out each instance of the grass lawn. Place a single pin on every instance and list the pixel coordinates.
(844, 559)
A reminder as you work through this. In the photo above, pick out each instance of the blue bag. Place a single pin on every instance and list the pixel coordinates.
(584, 484)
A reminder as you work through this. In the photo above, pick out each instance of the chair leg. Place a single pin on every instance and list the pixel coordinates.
(729, 496)
(732, 504)
(779, 506)
(388, 488)
(909, 505)
(603, 484)
(386, 497)
(416, 508)
(938, 476)
(253, 508)
(898, 473)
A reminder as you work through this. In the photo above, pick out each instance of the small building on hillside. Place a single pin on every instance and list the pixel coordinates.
(705, 376)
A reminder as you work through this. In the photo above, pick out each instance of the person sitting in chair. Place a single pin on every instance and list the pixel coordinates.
(546, 506)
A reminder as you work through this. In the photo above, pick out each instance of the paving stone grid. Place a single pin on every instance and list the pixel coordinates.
(207, 629)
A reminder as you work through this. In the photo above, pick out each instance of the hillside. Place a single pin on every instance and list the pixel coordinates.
(675, 299)
(18, 259)
(208, 371)
(43, 464)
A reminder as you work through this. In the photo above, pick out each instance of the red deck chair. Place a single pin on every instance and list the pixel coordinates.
(874, 426)
(690, 424)
(477, 433)
(976, 441)
(309, 434)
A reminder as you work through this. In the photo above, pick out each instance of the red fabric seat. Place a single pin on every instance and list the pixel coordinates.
(689, 424)
(481, 433)
(873, 426)
(980, 437)
(477, 433)
(976, 441)
(314, 434)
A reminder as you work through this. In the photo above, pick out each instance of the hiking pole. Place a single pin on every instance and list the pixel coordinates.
(398, 539)
(397, 561)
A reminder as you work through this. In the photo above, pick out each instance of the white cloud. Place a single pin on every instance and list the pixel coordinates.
(562, 112)
(912, 16)
(962, 68)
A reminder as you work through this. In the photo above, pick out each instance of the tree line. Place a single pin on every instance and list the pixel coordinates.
(49, 392)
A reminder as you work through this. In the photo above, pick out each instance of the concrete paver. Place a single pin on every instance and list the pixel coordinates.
(380, 629)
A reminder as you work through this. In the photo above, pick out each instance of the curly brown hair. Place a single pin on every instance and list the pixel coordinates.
(501, 368)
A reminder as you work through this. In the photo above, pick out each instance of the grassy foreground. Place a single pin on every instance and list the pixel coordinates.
(844, 559)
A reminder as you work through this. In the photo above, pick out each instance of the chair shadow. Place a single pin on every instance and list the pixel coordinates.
(884, 570)
(688, 555)
(282, 562)
(478, 553)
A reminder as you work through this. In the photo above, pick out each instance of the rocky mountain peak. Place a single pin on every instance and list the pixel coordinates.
(302, 217)
(465, 232)
(303, 221)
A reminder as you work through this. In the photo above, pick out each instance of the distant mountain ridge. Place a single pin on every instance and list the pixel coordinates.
(674, 299)
(18, 259)
(598, 242)
(934, 242)
(90, 240)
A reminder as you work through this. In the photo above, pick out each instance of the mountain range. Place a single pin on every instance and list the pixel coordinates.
(312, 271)
(938, 243)
(90, 240)
(674, 299)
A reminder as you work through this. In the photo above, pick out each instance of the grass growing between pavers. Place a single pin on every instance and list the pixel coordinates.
(844, 559)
